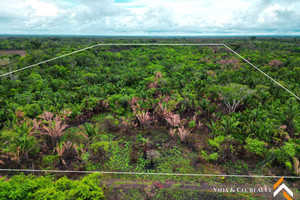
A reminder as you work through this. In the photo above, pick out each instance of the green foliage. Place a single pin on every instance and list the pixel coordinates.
(216, 142)
(100, 146)
(210, 157)
(288, 165)
(21, 141)
(50, 161)
(255, 146)
(230, 124)
(192, 124)
(234, 94)
(119, 157)
(173, 161)
(286, 152)
(235, 106)
(32, 187)
(90, 129)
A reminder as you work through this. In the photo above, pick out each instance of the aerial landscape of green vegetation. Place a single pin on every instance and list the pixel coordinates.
(152, 109)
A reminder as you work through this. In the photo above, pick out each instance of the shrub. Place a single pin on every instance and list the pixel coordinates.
(286, 152)
(233, 95)
(44, 187)
(99, 151)
(255, 146)
(217, 141)
(210, 157)
(89, 130)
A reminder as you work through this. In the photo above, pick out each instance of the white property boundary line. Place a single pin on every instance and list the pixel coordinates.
(153, 44)
(143, 173)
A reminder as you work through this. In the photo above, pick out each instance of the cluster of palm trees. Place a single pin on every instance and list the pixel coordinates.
(162, 113)
(25, 136)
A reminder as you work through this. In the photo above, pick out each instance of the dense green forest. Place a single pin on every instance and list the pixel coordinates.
(167, 109)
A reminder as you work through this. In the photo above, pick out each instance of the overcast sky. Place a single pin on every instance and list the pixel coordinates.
(150, 17)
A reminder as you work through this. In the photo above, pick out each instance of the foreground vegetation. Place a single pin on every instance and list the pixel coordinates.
(31, 187)
(172, 109)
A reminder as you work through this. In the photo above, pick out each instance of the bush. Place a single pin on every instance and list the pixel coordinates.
(44, 187)
(216, 142)
(286, 152)
(98, 151)
(234, 94)
(255, 146)
(210, 157)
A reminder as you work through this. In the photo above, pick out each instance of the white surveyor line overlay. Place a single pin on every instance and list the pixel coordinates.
(141, 173)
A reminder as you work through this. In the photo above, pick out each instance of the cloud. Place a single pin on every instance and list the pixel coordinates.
(268, 17)
(144, 17)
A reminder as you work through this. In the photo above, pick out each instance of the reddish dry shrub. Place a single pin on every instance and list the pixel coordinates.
(144, 118)
(211, 73)
(152, 85)
(172, 131)
(67, 153)
(134, 105)
(162, 111)
(65, 114)
(158, 75)
(206, 59)
(198, 124)
(275, 63)
(183, 133)
(167, 99)
(2, 157)
(47, 116)
(19, 114)
(230, 62)
(52, 127)
(55, 129)
(173, 119)
(127, 125)
(101, 107)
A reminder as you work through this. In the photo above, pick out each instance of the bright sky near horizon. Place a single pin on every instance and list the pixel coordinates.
(150, 17)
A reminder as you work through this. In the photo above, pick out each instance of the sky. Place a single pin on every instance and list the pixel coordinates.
(150, 17)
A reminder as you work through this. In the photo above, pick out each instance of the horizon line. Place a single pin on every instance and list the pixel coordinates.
(92, 35)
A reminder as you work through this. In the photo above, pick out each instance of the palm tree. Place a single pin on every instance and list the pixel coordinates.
(21, 143)
(55, 129)
(62, 148)
(47, 116)
(143, 117)
(213, 128)
(183, 133)
(229, 124)
(89, 130)
(173, 119)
